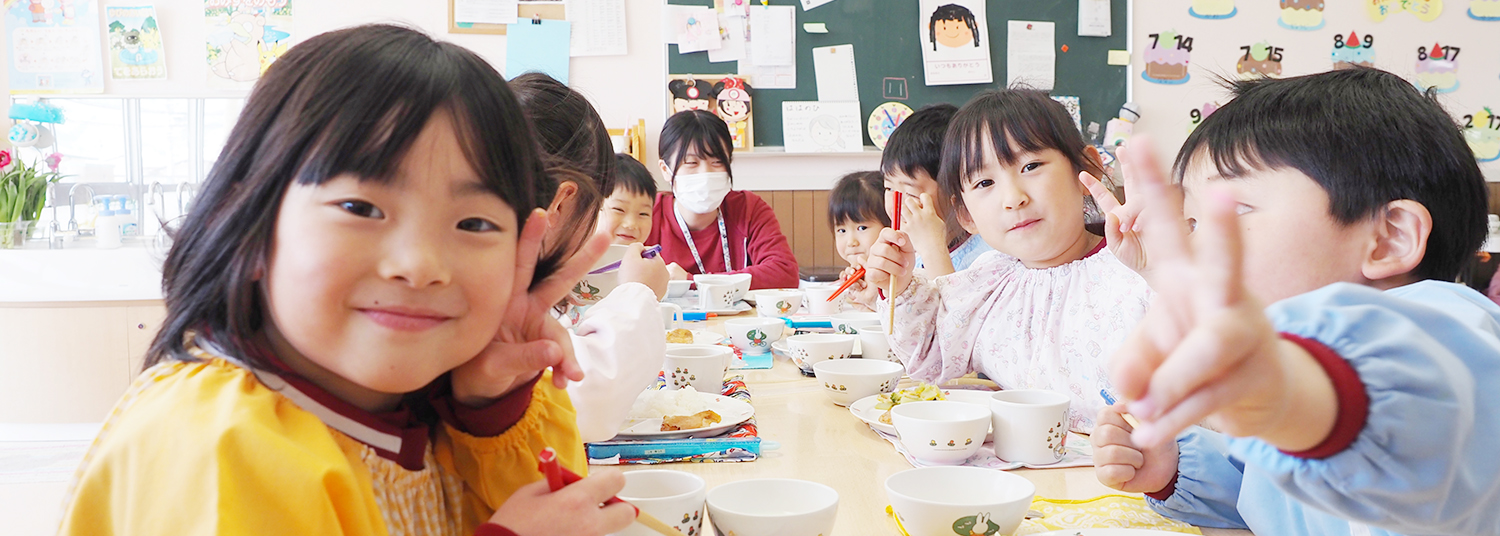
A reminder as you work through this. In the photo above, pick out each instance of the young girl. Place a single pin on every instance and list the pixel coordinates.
(329, 363)
(910, 163)
(703, 227)
(618, 340)
(856, 211)
(1048, 308)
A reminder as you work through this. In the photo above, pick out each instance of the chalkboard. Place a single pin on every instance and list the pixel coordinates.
(887, 45)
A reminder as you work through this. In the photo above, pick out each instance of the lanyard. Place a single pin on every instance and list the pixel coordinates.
(688, 236)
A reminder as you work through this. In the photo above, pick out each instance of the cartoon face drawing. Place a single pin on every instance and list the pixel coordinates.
(952, 26)
(824, 131)
(732, 110)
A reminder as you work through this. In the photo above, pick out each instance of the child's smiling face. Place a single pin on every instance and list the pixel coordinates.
(1031, 209)
(852, 239)
(625, 217)
(953, 33)
(374, 290)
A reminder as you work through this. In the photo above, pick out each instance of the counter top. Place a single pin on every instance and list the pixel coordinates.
(38, 276)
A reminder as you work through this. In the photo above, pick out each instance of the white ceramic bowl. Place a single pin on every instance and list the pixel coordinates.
(811, 348)
(675, 497)
(773, 507)
(847, 323)
(874, 342)
(944, 500)
(754, 335)
(847, 380)
(817, 299)
(595, 287)
(778, 303)
(941, 432)
(741, 282)
(678, 288)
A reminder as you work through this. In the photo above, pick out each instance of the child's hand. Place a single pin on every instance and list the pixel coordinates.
(650, 272)
(1119, 464)
(676, 273)
(1121, 223)
(1206, 347)
(574, 510)
(529, 339)
(892, 256)
(860, 293)
(929, 234)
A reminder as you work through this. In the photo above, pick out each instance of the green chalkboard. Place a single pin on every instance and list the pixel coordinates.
(887, 45)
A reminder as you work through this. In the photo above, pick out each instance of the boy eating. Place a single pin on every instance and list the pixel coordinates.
(626, 214)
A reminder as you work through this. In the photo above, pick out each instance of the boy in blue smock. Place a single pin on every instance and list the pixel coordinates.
(1364, 399)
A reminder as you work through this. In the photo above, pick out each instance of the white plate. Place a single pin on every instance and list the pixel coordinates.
(864, 409)
(1109, 532)
(780, 347)
(731, 411)
(700, 336)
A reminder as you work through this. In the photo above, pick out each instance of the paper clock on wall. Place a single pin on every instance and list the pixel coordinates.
(884, 120)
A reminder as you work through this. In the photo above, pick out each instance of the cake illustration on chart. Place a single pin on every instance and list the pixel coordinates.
(1304, 15)
(1259, 60)
(1353, 50)
(1212, 9)
(1167, 58)
(1437, 68)
(1197, 116)
(1484, 10)
(1482, 131)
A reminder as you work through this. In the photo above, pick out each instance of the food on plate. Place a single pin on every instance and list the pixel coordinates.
(680, 336)
(920, 393)
(655, 404)
(701, 419)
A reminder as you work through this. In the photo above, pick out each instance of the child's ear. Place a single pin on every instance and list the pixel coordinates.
(566, 192)
(1401, 233)
(961, 212)
(666, 172)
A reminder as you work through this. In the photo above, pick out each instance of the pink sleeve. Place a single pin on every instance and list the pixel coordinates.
(772, 264)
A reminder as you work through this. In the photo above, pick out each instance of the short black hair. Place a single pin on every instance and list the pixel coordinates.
(1367, 137)
(1008, 120)
(349, 101)
(631, 175)
(857, 197)
(918, 142)
(695, 131)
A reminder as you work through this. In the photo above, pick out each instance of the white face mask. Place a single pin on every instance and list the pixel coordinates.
(701, 193)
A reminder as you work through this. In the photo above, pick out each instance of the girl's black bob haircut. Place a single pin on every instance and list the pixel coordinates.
(1367, 137)
(347, 102)
(697, 132)
(857, 197)
(1009, 122)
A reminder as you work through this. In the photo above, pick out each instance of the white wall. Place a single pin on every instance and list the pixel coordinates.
(1165, 108)
(622, 88)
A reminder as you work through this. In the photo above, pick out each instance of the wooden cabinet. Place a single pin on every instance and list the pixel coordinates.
(70, 362)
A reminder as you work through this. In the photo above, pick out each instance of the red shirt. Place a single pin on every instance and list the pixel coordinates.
(756, 245)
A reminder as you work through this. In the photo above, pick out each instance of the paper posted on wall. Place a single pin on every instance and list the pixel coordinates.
(955, 40)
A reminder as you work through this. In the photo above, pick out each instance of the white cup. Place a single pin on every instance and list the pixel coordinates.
(778, 303)
(848, 323)
(674, 497)
(715, 297)
(874, 343)
(671, 313)
(699, 365)
(817, 300)
(1030, 425)
(754, 335)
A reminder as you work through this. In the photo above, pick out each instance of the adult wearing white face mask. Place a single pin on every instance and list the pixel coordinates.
(704, 227)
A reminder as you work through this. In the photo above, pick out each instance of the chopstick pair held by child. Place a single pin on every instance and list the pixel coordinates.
(1362, 400)
(1051, 303)
(354, 341)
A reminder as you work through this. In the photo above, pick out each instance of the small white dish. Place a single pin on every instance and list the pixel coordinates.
(941, 432)
(847, 380)
(732, 411)
(773, 507)
(678, 288)
(864, 410)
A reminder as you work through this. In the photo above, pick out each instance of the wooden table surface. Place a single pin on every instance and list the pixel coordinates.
(816, 440)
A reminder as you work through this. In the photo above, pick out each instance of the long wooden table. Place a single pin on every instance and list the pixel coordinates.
(807, 436)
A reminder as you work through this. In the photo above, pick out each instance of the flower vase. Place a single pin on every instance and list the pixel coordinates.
(13, 234)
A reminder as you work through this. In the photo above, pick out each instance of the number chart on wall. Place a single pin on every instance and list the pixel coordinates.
(1451, 48)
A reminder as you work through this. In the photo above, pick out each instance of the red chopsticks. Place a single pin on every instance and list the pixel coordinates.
(559, 476)
(856, 276)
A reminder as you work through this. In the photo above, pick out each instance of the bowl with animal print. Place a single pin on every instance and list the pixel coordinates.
(959, 500)
(812, 348)
(848, 380)
(941, 432)
(594, 287)
(778, 303)
(754, 335)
